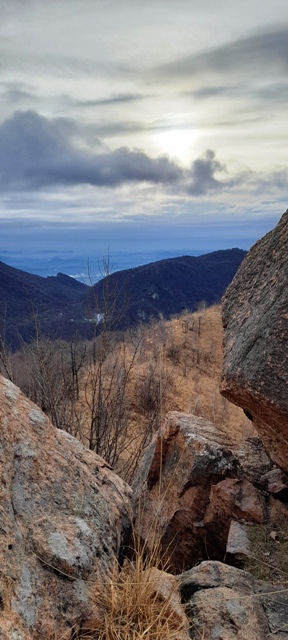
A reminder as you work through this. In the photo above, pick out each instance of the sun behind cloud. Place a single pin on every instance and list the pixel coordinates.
(177, 143)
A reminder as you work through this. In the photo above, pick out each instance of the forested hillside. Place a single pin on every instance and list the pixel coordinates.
(60, 307)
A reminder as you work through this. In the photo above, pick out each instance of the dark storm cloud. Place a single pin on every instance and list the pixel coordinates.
(202, 180)
(37, 153)
(258, 53)
(205, 173)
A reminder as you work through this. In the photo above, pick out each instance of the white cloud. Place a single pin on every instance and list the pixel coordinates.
(93, 80)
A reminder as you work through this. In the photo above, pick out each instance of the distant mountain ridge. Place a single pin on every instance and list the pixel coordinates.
(63, 308)
(28, 299)
(167, 287)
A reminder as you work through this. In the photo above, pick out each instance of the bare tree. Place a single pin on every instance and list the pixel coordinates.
(89, 388)
(5, 352)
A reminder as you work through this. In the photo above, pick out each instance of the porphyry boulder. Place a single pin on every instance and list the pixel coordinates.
(255, 320)
(234, 497)
(190, 467)
(64, 516)
(226, 603)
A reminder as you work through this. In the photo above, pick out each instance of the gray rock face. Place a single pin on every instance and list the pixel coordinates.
(255, 320)
(275, 604)
(225, 603)
(63, 517)
(238, 544)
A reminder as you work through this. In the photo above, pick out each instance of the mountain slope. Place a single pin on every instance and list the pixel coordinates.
(165, 287)
(63, 308)
(27, 299)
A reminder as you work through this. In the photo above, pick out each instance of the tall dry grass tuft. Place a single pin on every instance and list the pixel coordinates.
(134, 609)
(137, 602)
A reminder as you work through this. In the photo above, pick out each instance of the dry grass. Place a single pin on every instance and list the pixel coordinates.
(177, 368)
(186, 354)
(198, 337)
(183, 357)
(138, 601)
(134, 610)
(268, 558)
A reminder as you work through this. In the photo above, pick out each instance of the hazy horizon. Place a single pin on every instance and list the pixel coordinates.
(83, 267)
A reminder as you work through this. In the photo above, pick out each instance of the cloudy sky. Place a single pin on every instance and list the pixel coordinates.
(133, 123)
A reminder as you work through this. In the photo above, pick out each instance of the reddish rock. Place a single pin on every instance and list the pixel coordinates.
(187, 461)
(254, 461)
(233, 498)
(255, 320)
(275, 481)
(225, 603)
(278, 511)
(63, 520)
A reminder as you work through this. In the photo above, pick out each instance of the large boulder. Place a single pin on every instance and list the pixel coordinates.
(225, 603)
(190, 485)
(64, 516)
(255, 320)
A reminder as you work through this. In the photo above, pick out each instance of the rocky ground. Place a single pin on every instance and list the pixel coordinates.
(198, 495)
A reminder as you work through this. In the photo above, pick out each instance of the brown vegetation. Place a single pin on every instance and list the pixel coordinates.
(138, 602)
(113, 392)
(184, 357)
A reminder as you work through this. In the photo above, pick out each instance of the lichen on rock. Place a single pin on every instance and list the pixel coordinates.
(64, 517)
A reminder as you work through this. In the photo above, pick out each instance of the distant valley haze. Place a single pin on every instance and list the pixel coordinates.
(83, 267)
(150, 129)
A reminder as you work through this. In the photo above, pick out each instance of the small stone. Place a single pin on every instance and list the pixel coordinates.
(238, 542)
(273, 535)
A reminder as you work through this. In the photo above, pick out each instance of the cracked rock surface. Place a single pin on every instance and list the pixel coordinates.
(64, 515)
(191, 483)
(255, 320)
(226, 603)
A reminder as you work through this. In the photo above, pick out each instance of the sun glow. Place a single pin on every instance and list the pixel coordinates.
(177, 142)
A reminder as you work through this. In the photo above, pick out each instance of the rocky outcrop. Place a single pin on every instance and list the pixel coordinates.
(64, 515)
(191, 484)
(255, 320)
(225, 603)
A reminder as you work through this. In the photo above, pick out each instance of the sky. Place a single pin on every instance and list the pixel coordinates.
(142, 124)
